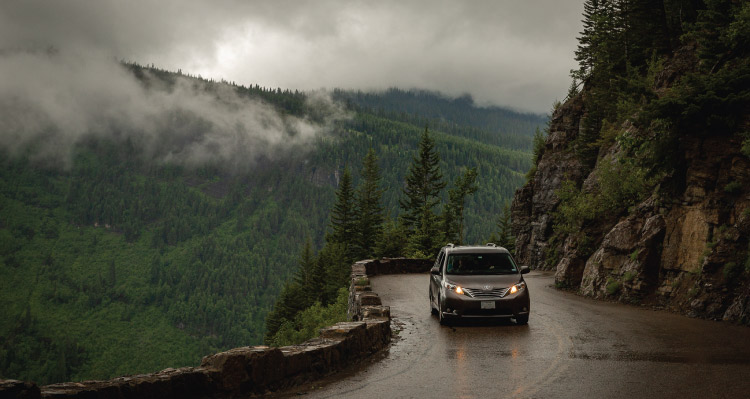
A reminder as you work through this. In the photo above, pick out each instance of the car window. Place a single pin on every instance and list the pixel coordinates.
(439, 260)
(482, 263)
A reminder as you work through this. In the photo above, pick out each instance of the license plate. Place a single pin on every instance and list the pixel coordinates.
(488, 304)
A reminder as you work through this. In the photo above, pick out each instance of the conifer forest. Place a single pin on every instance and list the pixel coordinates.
(122, 262)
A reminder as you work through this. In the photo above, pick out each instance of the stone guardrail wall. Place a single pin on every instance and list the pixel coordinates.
(256, 369)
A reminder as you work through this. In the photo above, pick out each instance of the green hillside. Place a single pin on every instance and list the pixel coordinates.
(121, 264)
(456, 116)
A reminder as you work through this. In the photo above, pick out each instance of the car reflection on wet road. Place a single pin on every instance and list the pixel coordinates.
(573, 347)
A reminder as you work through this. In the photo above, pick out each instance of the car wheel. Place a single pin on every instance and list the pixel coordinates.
(522, 319)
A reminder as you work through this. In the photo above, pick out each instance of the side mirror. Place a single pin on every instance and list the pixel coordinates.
(525, 269)
(435, 270)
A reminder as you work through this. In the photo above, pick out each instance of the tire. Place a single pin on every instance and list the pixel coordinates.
(522, 320)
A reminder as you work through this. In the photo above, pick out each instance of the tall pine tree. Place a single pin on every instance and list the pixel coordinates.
(453, 214)
(343, 219)
(504, 236)
(369, 208)
(422, 194)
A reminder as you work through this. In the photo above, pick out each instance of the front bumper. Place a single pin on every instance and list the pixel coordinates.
(455, 305)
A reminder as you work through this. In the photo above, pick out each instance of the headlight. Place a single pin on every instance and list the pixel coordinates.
(515, 288)
(455, 288)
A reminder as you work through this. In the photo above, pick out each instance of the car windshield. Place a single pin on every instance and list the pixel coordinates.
(483, 263)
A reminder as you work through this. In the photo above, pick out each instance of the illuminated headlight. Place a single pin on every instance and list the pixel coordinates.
(455, 288)
(515, 288)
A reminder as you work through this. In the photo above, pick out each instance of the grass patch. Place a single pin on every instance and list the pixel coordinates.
(362, 281)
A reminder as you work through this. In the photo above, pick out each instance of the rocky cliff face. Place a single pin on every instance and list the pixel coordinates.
(684, 247)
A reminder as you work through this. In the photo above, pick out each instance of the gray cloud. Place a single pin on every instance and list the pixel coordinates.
(54, 101)
(504, 52)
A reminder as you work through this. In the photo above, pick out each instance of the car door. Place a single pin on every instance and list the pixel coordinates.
(435, 277)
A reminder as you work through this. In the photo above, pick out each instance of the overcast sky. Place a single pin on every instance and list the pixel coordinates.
(515, 53)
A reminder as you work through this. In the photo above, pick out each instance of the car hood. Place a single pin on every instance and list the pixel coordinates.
(474, 281)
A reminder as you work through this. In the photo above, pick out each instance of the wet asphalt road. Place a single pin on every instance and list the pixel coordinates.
(573, 347)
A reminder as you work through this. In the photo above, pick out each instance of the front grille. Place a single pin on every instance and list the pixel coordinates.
(486, 294)
(488, 312)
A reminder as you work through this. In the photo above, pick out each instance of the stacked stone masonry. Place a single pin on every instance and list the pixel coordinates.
(255, 370)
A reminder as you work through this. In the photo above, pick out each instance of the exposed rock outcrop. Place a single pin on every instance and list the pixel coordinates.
(684, 247)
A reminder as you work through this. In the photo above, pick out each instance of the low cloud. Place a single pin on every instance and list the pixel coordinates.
(50, 101)
(502, 52)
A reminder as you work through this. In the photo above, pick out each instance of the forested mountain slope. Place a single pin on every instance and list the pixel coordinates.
(641, 191)
(124, 262)
(458, 116)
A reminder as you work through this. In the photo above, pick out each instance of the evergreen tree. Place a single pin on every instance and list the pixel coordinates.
(392, 242)
(309, 275)
(504, 237)
(453, 214)
(427, 239)
(284, 310)
(587, 42)
(305, 288)
(369, 209)
(337, 269)
(343, 219)
(422, 193)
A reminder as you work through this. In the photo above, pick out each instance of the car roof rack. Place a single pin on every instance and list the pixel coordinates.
(491, 244)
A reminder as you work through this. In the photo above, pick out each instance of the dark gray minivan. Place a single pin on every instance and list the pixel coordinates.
(476, 281)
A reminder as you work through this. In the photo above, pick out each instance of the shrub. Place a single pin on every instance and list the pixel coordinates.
(613, 286)
(628, 276)
(621, 184)
(551, 253)
(537, 151)
(538, 146)
(746, 147)
(531, 173)
(731, 270)
(307, 324)
(586, 245)
(575, 208)
(733, 187)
